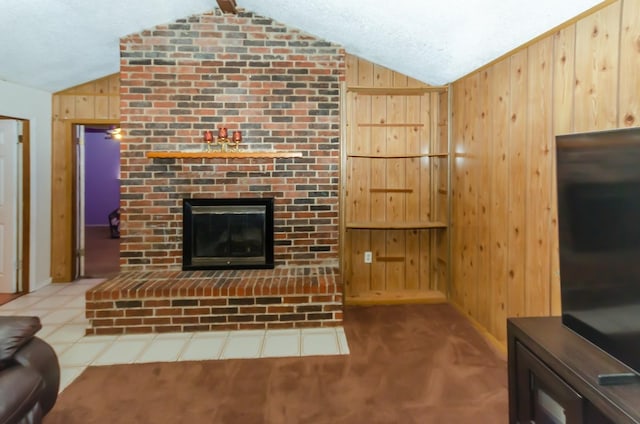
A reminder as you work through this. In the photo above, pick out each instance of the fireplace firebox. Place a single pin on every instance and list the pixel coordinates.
(227, 233)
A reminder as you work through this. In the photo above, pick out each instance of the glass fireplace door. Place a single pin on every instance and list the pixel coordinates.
(227, 233)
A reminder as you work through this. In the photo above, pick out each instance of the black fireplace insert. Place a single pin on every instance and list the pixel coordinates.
(227, 233)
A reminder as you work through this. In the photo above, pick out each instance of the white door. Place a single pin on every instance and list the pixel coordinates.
(80, 196)
(8, 205)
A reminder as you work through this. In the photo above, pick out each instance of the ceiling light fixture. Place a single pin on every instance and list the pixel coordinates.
(114, 133)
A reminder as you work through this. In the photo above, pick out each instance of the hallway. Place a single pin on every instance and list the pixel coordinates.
(102, 253)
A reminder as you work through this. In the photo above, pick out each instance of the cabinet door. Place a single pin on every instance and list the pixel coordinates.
(594, 416)
(543, 397)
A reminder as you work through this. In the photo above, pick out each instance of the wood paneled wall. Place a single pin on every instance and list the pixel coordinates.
(583, 77)
(96, 102)
(392, 123)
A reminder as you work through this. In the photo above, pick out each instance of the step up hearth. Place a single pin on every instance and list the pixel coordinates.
(186, 301)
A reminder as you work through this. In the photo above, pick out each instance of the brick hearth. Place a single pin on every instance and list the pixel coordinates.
(183, 301)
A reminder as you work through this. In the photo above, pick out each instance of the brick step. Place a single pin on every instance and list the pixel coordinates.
(185, 301)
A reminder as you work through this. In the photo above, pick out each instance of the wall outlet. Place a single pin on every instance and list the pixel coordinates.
(368, 257)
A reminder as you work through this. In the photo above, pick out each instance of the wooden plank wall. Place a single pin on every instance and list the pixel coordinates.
(94, 102)
(583, 77)
(407, 263)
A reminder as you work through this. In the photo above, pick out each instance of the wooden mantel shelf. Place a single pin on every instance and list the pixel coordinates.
(227, 155)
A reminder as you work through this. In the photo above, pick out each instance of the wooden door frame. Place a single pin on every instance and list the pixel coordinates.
(67, 212)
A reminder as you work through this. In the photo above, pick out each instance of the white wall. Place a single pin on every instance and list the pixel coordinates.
(21, 102)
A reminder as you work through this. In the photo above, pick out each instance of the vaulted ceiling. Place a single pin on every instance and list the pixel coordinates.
(56, 44)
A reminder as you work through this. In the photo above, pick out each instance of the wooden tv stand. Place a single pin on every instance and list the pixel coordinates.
(554, 372)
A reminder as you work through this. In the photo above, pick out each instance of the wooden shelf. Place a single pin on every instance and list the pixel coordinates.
(396, 91)
(389, 125)
(390, 297)
(227, 155)
(395, 225)
(390, 190)
(397, 155)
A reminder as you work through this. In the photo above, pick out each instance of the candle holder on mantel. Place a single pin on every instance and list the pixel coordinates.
(208, 138)
(223, 139)
(237, 138)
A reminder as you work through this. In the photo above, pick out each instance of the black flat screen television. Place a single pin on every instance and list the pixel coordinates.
(598, 182)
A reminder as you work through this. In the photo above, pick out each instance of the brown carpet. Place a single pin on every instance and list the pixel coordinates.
(102, 253)
(408, 364)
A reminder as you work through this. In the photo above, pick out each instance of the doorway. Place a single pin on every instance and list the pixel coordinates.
(14, 208)
(97, 201)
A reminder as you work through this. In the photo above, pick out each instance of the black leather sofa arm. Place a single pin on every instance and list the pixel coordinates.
(38, 355)
(21, 389)
(29, 372)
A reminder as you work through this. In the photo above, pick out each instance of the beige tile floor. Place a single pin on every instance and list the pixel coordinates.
(61, 311)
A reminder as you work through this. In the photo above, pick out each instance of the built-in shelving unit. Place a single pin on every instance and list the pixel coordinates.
(395, 197)
(221, 154)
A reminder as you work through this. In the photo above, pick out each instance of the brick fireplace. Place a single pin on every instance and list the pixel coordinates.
(281, 88)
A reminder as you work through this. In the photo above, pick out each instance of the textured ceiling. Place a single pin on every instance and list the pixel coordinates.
(436, 42)
(56, 44)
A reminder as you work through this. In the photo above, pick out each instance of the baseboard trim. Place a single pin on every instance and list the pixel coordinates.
(499, 346)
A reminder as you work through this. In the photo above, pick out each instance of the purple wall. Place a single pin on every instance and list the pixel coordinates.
(102, 173)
